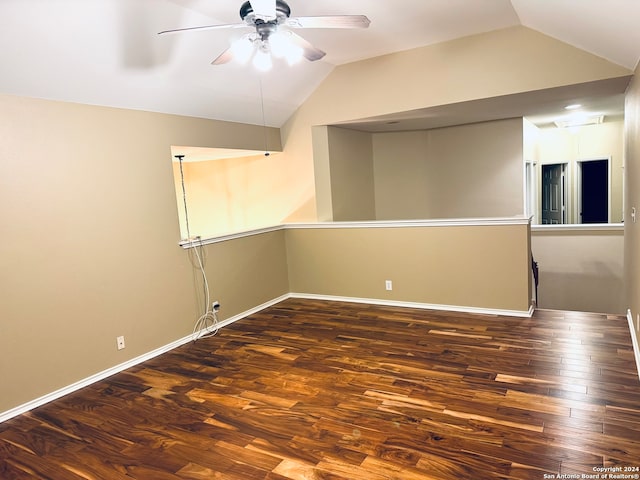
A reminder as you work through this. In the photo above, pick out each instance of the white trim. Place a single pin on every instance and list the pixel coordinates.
(422, 306)
(20, 409)
(223, 238)
(251, 311)
(634, 340)
(449, 222)
(579, 227)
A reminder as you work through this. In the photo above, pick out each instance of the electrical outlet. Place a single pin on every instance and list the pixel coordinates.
(388, 285)
(120, 342)
(215, 306)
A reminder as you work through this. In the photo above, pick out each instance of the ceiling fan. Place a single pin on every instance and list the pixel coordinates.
(267, 16)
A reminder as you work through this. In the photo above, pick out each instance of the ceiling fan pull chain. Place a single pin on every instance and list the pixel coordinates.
(264, 123)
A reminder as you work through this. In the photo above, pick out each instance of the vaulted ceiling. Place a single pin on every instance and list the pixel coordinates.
(108, 52)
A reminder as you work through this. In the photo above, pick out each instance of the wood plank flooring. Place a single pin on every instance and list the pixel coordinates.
(320, 390)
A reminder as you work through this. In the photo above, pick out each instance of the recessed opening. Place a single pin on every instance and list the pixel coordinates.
(221, 191)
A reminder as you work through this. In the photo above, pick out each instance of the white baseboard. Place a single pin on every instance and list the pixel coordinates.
(423, 306)
(228, 321)
(91, 379)
(20, 409)
(634, 340)
(246, 313)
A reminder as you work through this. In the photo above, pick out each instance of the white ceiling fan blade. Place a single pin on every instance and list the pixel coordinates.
(224, 57)
(309, 52)
(264, 8)
(329, 21)
(204, 27)
(240, 51)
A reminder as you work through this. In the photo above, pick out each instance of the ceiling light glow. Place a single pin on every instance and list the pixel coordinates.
(574, 106)
(242, 50)
(294, 54)
(262, 58)
(283, 47)
(580, 120)
(279, 43)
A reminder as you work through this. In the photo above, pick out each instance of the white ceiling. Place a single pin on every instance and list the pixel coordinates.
(107, 52)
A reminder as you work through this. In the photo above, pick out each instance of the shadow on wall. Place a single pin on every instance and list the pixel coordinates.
(600, 290)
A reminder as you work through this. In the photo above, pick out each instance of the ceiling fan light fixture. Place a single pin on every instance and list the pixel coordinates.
(279, 44)
(242, 50)
(294, 54)
(265, 16)
(262, 58)
(282, 46)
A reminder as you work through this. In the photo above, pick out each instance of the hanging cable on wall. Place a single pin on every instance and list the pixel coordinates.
(184, 196)
(207, 324)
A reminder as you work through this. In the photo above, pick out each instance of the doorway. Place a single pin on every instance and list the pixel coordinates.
(554, 194)
(593, 193)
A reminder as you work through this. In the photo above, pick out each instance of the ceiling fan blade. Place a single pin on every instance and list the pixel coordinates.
(204, 27)
(329, 21)
(224, 57)
(240, 50)
(264, 8)
(309, 52)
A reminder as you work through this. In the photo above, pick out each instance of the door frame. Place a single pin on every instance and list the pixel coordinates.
(566, 194)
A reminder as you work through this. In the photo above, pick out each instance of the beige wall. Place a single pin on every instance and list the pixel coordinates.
(530, 141)
(632, 199)
(580, 270)
(401, 174)
(468, 266)
(572, 145)
(322, 173)
(247, 272)
(467, 171)
(90, 237)
(530, 134)
(352, 183)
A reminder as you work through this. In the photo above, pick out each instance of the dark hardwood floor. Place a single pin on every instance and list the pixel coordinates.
(320, 390)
